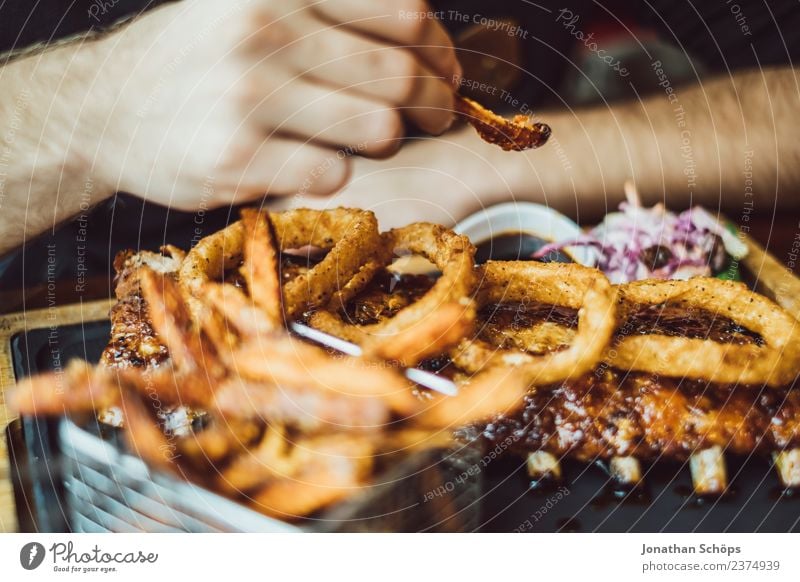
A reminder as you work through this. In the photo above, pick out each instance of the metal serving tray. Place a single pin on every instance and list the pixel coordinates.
(80, 478)
(108, 490)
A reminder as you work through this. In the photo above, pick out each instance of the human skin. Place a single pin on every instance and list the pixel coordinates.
(731, 147)
(204, 103)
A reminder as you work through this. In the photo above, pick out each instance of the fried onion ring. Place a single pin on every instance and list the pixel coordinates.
(516, 135)
(438, 320)
(350, 236)
(208, 261)
(776, 363)
(568, 285)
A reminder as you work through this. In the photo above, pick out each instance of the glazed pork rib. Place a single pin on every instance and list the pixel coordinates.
(133, 341)
(608, 414)
(627, 417)
(624, 417)
(620, 417)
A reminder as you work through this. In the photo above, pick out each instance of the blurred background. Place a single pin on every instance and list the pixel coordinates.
(541, 62)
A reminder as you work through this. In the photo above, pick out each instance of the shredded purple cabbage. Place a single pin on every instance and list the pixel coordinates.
(653, 243)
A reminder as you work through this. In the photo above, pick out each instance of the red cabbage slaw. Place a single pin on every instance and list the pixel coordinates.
(653, 243)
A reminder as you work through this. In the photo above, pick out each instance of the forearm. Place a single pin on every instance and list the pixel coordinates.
(49, 122)
(695, 147)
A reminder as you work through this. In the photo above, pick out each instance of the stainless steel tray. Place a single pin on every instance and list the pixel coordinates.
(109, 490)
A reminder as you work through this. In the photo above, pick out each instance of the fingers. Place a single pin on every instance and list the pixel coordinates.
(373, 69)
(283, 166)
(404, 22)
(280, 167)
(431, 105)
(333, 118)
(281, 94)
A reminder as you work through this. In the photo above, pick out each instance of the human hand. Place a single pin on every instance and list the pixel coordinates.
(440, 180)
(211, 103)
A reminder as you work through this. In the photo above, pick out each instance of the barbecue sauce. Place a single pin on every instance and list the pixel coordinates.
(387, 294)
(517, 246)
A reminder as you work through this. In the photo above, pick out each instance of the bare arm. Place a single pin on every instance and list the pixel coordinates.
(45, 141)
(694, 146)
(203, 103)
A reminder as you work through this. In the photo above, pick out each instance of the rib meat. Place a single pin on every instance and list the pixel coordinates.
(610, 413)
(133, 341)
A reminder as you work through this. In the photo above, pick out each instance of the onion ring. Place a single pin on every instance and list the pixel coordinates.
(516, 135)
(775, 364)
(568, 285)
(350, 236)
(208, 260)
(438, 320)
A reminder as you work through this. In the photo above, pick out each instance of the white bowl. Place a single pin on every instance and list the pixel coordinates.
(527, 217)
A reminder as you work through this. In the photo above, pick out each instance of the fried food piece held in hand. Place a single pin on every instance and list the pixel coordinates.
(518, 134)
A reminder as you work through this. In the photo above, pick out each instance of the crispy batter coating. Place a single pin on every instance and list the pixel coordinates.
(208, 261)
(775, 363)
(560, 284)
(438, 319)
(351, 238)
(516, 135)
